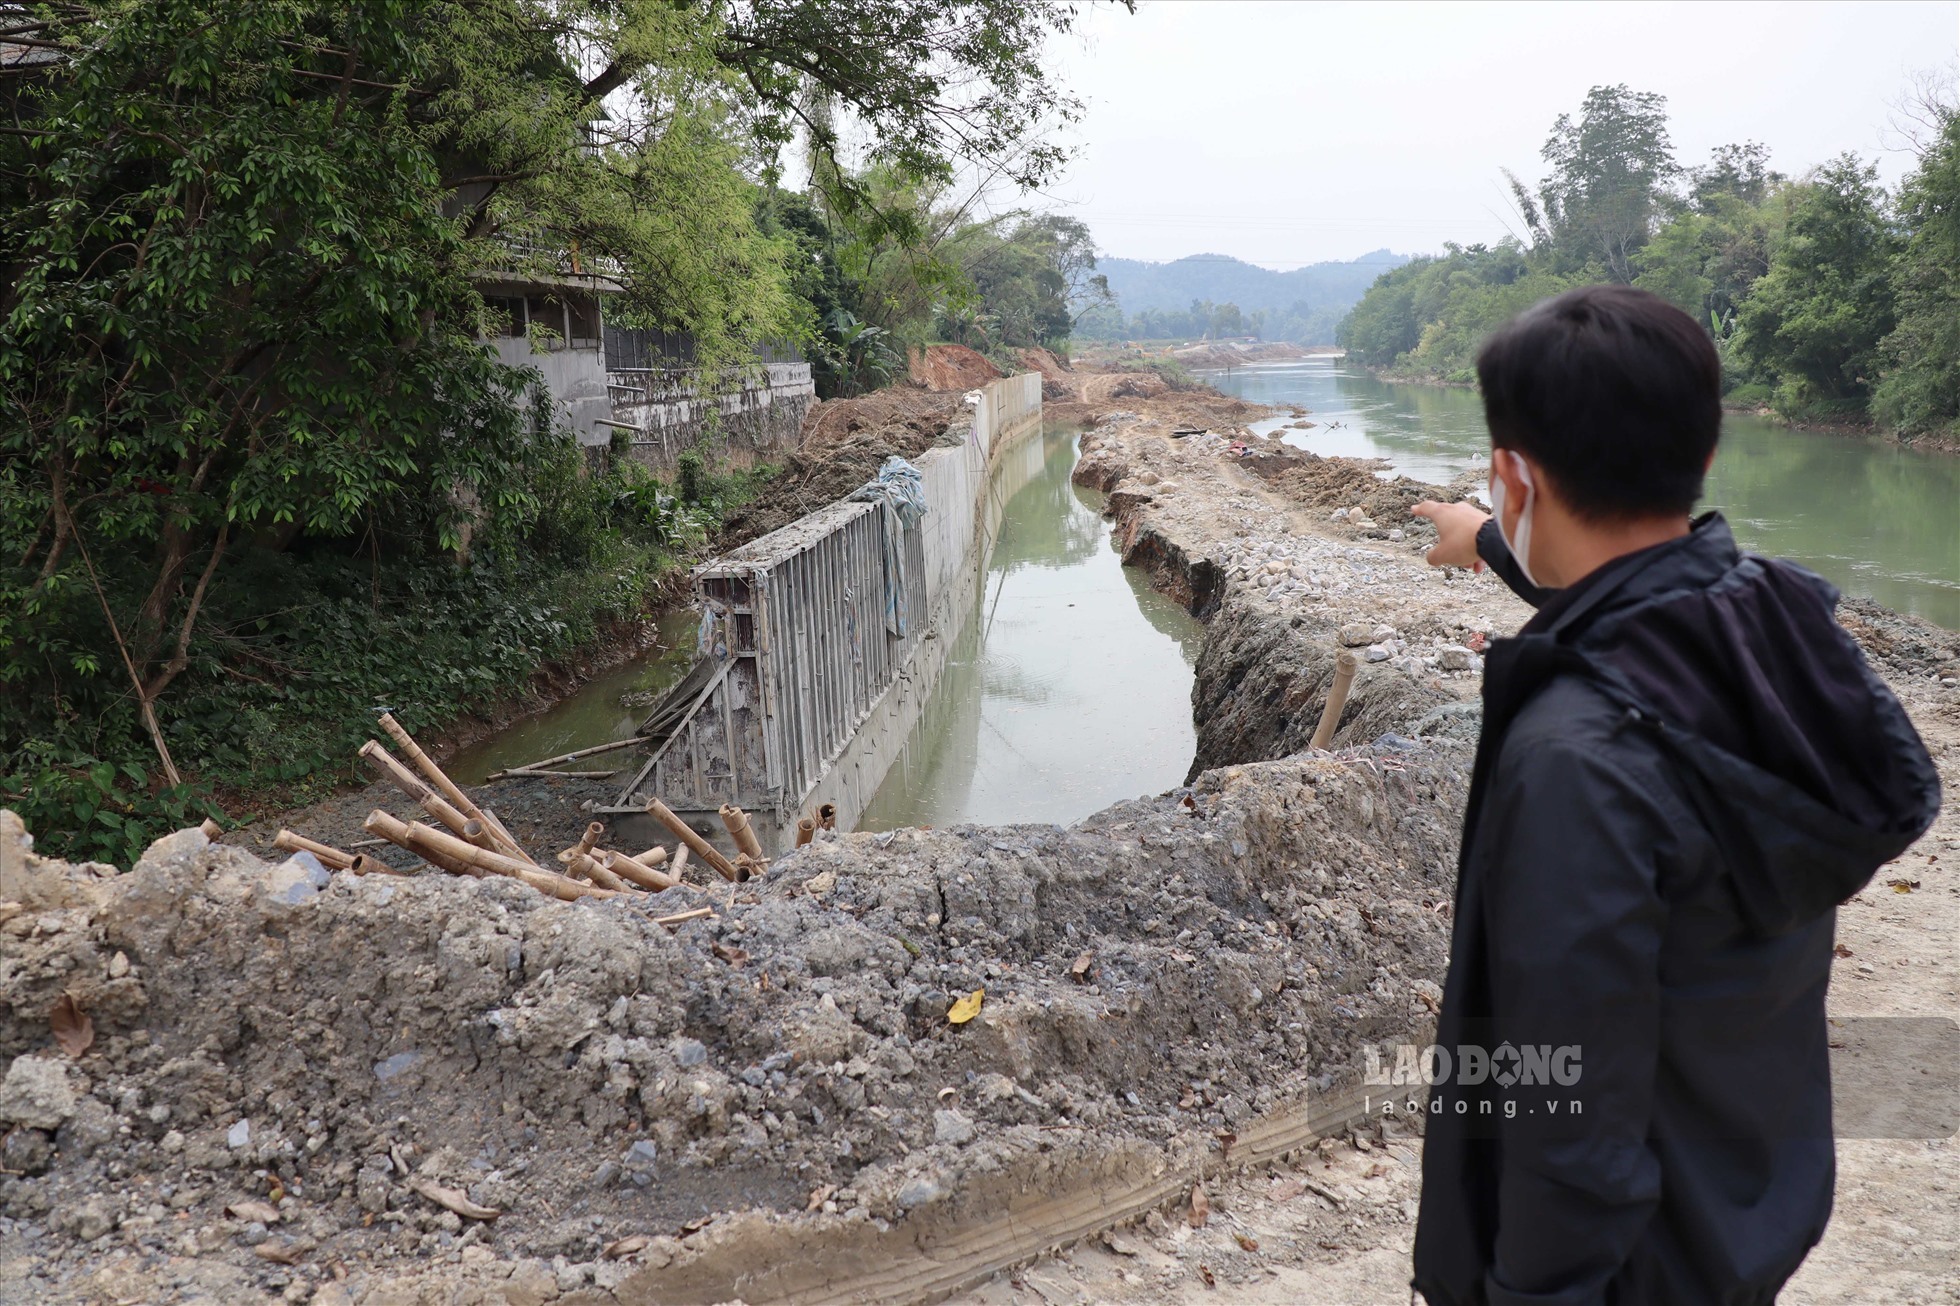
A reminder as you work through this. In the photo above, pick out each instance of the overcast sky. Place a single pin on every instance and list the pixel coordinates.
(1290, 132)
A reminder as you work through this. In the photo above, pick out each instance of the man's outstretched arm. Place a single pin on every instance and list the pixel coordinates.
(1467, 537)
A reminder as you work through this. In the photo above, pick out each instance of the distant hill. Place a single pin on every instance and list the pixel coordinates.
(1225, 280)
(1303, 304)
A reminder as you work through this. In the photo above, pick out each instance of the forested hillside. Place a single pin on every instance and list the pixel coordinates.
(1218, 295)
(1830, 298)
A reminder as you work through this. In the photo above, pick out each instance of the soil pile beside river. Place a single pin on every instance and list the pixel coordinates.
(294, 1076)
(844, 443)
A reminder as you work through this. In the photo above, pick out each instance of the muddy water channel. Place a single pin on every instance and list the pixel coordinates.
(1876, 519)
(610, 706)
(1068, 689)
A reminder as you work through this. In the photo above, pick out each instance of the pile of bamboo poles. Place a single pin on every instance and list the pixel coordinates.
(466, 839)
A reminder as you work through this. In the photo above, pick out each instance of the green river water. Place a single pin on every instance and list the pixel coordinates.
(1876, 519)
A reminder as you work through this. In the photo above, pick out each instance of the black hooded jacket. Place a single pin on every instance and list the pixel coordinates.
(1685, 766)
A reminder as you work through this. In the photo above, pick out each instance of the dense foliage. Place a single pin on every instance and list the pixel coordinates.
(258, 472)
(1828, 298)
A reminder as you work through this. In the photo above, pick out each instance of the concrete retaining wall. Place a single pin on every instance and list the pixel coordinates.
(814, 696)
(667, 414)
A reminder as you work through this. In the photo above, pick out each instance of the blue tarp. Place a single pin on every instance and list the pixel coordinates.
(902, 492)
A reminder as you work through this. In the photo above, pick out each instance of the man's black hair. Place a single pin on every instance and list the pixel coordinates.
(1615, 392)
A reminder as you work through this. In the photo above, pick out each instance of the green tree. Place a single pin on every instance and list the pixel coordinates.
(1708, 257)
(1610, 168)
(1816, 317)
(1921, 388)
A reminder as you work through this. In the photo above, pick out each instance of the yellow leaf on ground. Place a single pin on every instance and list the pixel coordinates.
(966, 1008)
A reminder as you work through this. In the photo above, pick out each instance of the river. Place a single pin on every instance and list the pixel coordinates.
(1068, 689)
(1875, 518)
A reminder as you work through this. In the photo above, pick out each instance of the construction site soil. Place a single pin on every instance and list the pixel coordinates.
(431, 1089)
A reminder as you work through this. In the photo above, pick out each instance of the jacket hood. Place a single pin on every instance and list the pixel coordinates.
(1802, 762)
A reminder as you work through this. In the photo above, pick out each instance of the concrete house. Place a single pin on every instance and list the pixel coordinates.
(569, 347)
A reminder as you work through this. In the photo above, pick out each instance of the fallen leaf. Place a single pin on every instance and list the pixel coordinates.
(966, 1008)
(1200, 1206)
(451, 1199)
(1246, 1241)
(278, 1252)
(627, 1246)
(1211, 1280)
(731, 954)
(1841, 951)
(1903, 886)
(263, 1212)
(72, 1027)
(696, 1226)
(820, 1195)
(1079, 969)
(820, 883)
(1225, 1141)
(1285, 1190)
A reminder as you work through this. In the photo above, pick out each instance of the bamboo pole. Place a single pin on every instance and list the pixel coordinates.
(211, 828)
(505, 837)
(685, 833)
(416, 788)
(638, 872)
(448, 788)
(586, 841)
(592, 869)
(527, 774)
(678, 917)
(287, 841)
(450, 852)
(737, 822)
(806, 830)
(651, 858)
(1330, 715)
(363, 864)
(681, 852)
(571, 757)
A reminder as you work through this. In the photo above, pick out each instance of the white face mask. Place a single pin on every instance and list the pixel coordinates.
(1521, 546)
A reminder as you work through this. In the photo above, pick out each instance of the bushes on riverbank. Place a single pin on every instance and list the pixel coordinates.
(299, 646)
(1830, 300)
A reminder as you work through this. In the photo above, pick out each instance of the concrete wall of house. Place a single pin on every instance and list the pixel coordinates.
(761, 417)
(574, 377)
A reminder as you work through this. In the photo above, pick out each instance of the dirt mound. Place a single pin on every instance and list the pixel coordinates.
(845, 441)
(951, 367)
(1331, 483)
(357, 1068)
(1040, 360)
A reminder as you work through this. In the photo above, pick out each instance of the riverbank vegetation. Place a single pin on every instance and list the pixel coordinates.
(258, 473)
(1830, 299)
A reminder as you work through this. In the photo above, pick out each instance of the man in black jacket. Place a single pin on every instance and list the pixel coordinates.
(1685, 766)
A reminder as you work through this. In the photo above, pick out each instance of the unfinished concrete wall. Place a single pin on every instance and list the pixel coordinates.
(667, 414)
(812, 681)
